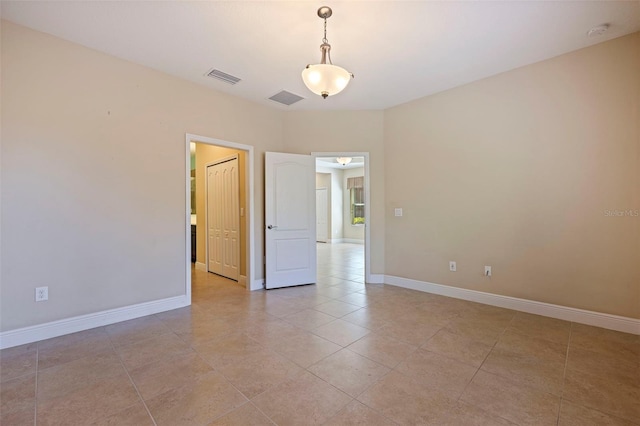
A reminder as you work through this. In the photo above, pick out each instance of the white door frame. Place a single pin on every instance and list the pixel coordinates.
(250, 237)
(367, 204)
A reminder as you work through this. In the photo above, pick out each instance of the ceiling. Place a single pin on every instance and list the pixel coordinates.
(398, 50)
(332, 163)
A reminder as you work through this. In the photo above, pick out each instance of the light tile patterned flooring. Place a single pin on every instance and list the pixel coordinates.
(335, 353)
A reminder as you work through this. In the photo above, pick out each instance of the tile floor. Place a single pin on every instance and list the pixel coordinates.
(336, 353)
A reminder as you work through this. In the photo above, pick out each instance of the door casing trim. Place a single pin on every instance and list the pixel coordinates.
(250, 237)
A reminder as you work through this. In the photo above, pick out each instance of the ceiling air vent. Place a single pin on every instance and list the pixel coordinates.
(227, 78)
(286, 98)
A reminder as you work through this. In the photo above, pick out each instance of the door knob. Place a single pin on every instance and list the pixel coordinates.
(272, 226)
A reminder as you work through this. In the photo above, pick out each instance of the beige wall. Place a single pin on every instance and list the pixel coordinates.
(93, 176)
(346, 131)
(516, 171)
(351, 232)
(208, 154)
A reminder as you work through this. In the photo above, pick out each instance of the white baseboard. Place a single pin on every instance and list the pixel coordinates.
(376, 279)
(48, 330)
(201, 266)
(345, 240)
(257, 284)
(598, 319)
(352, 241)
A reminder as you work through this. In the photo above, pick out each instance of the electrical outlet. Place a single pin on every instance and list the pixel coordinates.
(487, 271)
(42, 294)
(452, 266)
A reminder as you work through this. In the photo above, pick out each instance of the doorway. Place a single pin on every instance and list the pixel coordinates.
(246, 273)
(344, 254)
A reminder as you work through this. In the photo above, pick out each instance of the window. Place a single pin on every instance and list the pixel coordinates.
(355, 185)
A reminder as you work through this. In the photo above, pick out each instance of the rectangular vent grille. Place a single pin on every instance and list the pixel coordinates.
(227, 78)
(286, 98)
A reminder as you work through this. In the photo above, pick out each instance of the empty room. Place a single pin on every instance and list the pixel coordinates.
(305, 213)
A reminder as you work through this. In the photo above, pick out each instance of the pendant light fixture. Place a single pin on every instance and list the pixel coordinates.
(325, 79)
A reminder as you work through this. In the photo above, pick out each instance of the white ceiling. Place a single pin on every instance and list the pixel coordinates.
(332, 163)
(398, 50)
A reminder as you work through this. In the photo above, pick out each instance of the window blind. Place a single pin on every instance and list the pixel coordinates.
(355, 182)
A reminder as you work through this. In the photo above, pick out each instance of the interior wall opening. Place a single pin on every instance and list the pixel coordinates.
(205, 157)
(341, 218)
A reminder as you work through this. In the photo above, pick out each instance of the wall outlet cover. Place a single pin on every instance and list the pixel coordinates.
(42, 294)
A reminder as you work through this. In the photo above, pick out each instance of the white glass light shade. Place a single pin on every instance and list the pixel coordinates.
(325, 79)
(344, 160)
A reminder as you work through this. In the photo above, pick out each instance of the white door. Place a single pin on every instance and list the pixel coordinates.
(223, 220)
(290, 219)
(321, 215)
(214, 219)
(230, 220)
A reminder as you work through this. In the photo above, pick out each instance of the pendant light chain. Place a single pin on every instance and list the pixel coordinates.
(325, 41)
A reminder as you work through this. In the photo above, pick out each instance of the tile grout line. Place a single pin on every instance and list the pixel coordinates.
(384, 337)
(564, 373)
(248, 400)
(391, 369)
(262, 412)
(385, 375)
(35, 399)
(355, 398)
(144, 404)
(485, 358)
(480, 366)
